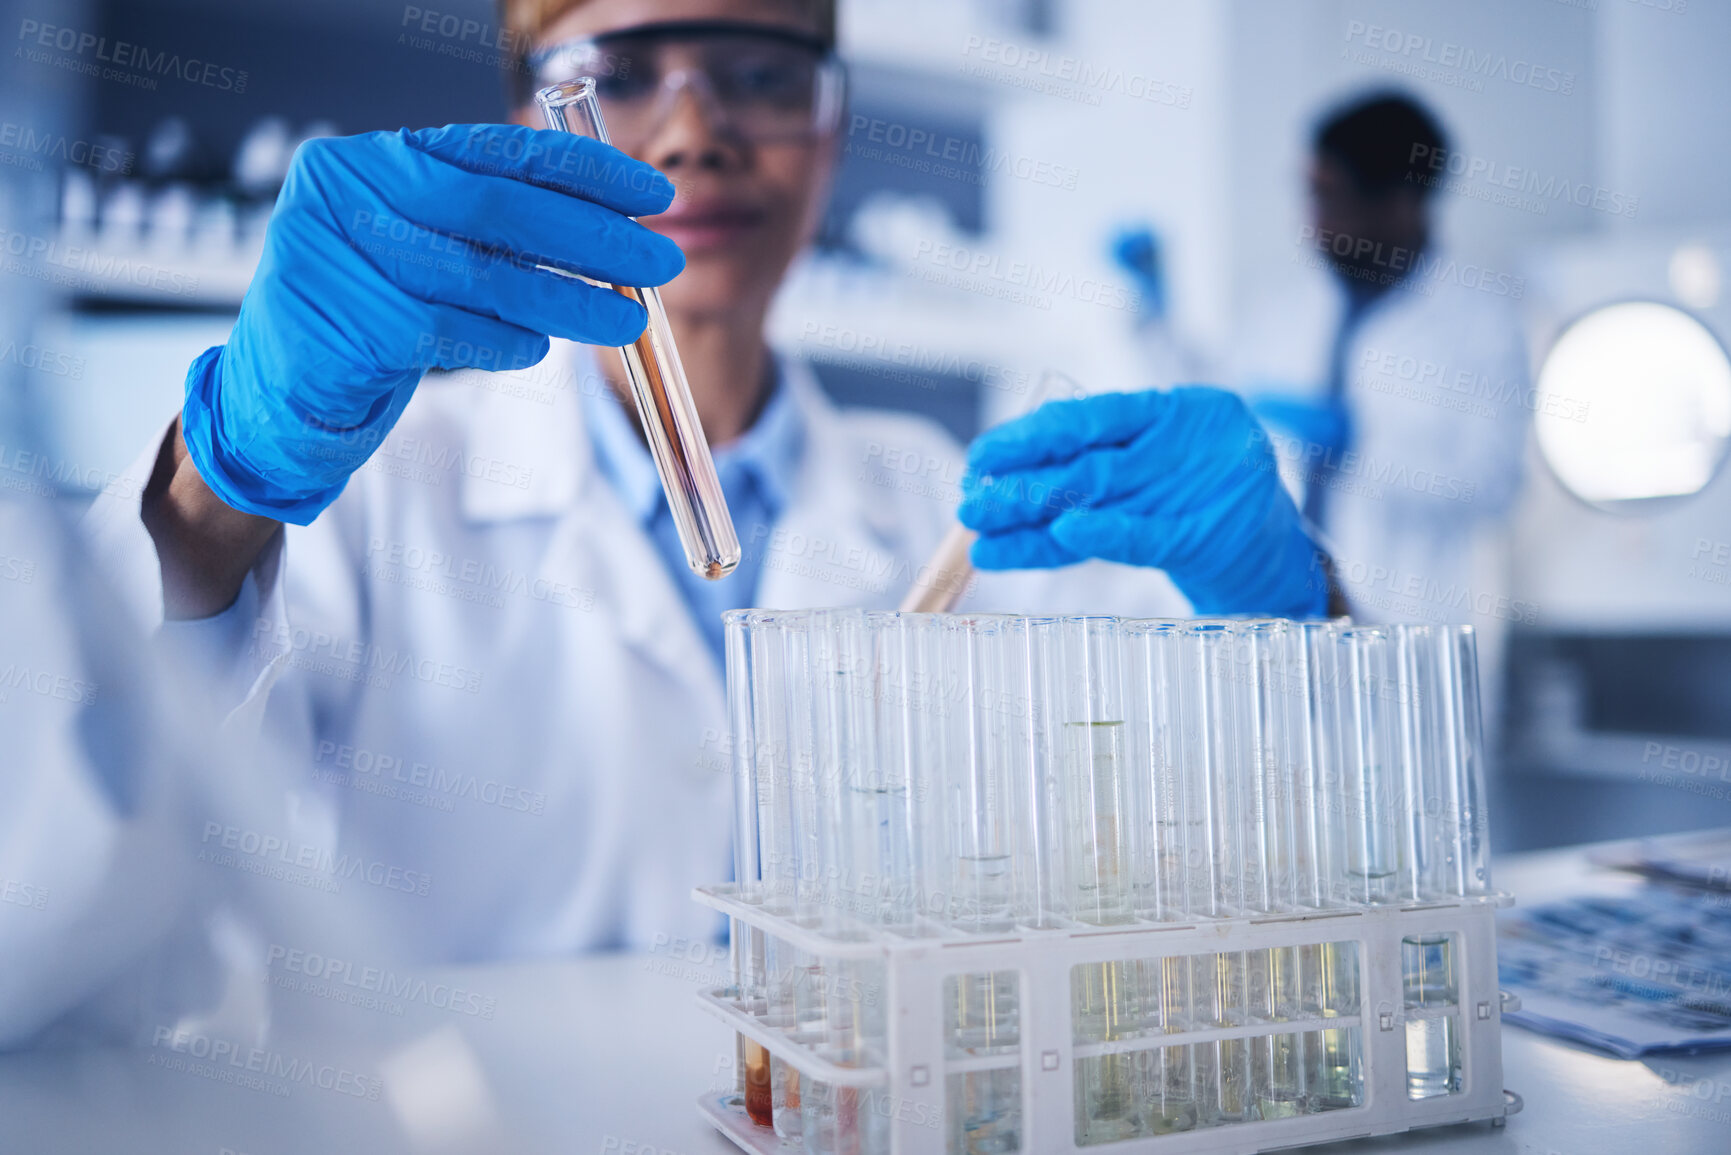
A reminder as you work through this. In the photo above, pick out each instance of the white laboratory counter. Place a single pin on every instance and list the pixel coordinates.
(609, 1053)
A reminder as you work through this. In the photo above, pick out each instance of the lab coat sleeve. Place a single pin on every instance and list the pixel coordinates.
(234, 657)
(92, 855)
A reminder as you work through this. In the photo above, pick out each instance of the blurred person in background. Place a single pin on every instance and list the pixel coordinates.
(468, 590)
(1396, 390)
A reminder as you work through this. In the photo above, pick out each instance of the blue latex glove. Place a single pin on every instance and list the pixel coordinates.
(1324, 424)
(390, 254)
(1184, 481)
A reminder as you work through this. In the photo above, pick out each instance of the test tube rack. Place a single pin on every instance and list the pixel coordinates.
(1009, 883)
(905, 1103)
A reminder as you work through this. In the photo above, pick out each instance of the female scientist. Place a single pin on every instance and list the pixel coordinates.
(460, 603)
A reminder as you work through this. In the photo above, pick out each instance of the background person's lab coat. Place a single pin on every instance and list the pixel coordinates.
(499, 702)
(1435, 378)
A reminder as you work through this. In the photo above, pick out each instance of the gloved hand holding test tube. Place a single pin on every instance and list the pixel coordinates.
(658, 384)
(942, 581)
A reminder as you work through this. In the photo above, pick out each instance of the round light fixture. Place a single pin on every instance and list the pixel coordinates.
(1635, 404)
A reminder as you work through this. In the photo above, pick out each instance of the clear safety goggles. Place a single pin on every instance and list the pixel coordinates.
(761, 81)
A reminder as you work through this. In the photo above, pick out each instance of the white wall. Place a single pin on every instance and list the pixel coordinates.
(1156, 160)
(1664, 107)
(1223, 177)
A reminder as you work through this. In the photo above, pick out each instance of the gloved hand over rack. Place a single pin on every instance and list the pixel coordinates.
(389, 254)
(1184, 481)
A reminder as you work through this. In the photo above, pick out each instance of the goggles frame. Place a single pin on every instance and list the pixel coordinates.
(580, 53)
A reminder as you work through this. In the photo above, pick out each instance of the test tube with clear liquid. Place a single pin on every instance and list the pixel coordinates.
(1328, 972)
(1153, 668)
(982, 1017)
(1101, 835)
(1163, 1078)
(1464, 757)
(1366, 751)
(1214, 789)
(1042, 886)
(658, 384)
(988, 762)
(1429, 994)
(981, 792)
(1271, 874)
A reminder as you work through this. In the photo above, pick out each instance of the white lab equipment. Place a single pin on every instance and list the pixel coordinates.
(1067, 882)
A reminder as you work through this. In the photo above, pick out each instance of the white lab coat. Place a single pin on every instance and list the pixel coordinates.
(1437, 384)
(493, 687)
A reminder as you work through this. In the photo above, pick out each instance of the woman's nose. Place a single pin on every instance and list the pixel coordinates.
(695, 135)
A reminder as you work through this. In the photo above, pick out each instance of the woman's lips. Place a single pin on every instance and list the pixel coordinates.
(696, 226)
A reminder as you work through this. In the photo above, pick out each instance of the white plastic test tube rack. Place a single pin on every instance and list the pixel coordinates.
(1045, 884)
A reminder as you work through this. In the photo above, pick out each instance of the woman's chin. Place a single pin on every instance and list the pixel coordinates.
(711, 287)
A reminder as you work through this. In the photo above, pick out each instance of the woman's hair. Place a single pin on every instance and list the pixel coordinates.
(527, 21)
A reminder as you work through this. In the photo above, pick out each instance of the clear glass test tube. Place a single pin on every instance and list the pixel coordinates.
(838, 739)
(922, 721)
(757, 991)
(1365, 748)
(765, 697)
(1271, 867)
(982, 800)
(749, 948)
(741, 749)
(1429, 994)
(658, 384)
(1314, 681)
(1171, 1107)
(1265, 817)
(1216, 789)
(1011, 732)
(981, 1017)
(1107, 1087)
(1278, 1075)
(889, 782)
(1100, 834)
(1043, 897)
(871, 866)
(1278, 818)
(849, 1119)
(807, 864)
(784, 972)
(1422, 820)
(1154, 677)
(984, 1111)
(1465, 758)
(1210, 767)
